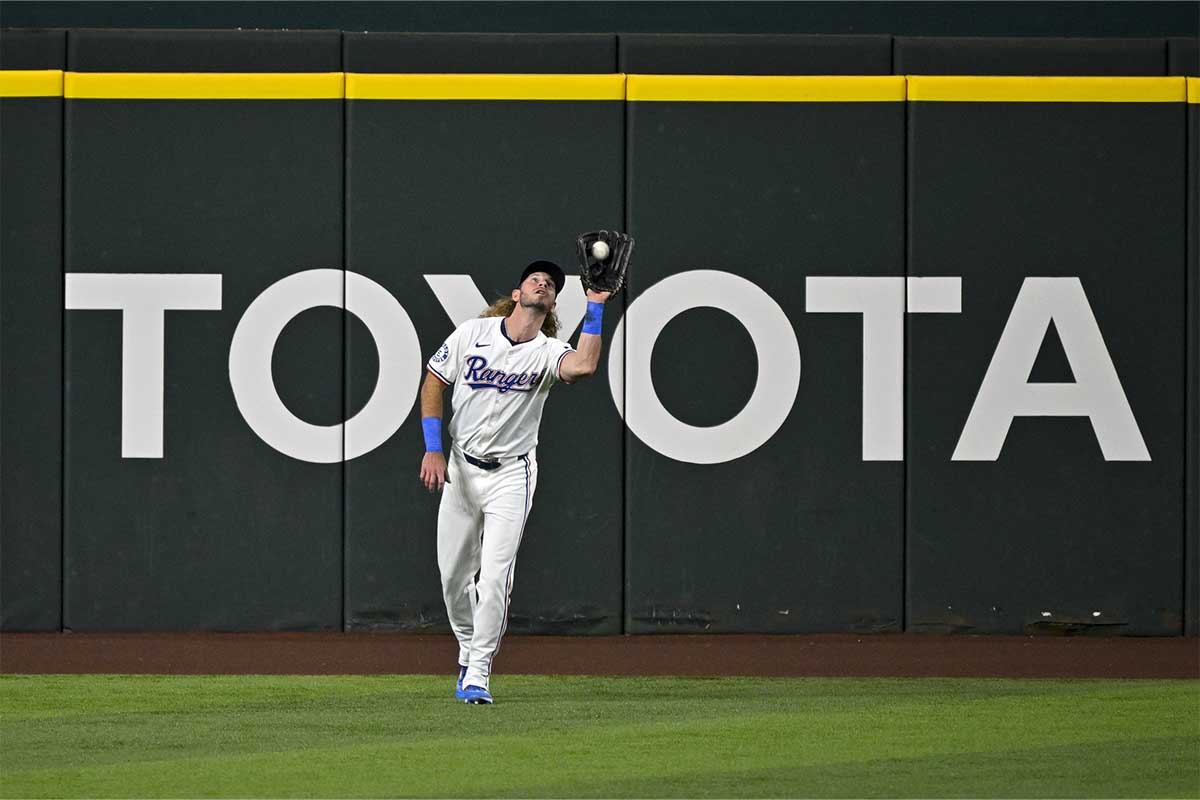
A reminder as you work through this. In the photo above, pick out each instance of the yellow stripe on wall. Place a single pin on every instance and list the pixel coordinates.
(380, 86)
(1006, 89)
(204, 85)
(31, 83)
(662, 88)
(767, 88)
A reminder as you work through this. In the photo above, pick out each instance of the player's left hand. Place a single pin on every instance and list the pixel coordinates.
(598, 297)
(433, 472)
(603, 271)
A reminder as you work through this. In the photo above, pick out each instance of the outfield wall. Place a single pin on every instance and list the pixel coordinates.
(909, 343)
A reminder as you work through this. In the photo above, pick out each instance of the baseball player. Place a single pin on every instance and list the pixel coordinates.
(501, 366)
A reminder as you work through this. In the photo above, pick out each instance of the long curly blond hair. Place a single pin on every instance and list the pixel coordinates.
(505, 305)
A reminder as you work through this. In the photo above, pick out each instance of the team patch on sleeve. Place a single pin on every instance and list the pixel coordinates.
(441, 355)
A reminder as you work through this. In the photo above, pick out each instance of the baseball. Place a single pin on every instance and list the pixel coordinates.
(600, 250)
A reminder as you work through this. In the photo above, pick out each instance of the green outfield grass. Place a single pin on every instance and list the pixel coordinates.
(345, 736)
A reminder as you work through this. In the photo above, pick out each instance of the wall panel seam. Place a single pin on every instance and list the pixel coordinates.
(62, 363)
(345, 219)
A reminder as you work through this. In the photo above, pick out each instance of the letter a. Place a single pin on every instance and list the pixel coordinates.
(1006, 392)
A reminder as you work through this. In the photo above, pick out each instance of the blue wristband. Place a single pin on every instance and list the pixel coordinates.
(433, 434)
(594, 321)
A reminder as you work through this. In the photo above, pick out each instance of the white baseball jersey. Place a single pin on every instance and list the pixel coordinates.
(500, 386)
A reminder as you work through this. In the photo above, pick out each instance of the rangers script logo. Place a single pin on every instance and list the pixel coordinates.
(478, 376)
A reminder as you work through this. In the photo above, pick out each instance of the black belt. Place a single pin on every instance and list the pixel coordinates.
(479, 462)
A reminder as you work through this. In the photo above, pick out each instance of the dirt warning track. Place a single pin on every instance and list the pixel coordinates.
(827, 655)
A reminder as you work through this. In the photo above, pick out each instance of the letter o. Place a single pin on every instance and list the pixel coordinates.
(253, 346)
(774, 343)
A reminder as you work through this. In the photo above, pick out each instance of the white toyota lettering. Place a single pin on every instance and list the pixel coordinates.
(1005, 392)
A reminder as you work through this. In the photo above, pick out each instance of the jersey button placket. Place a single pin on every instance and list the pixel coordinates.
(493, 411)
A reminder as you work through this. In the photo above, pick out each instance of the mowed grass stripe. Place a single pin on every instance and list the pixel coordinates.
(378, 708)
(38, 696)
(394, 736)
(1066, 771)
(50, 696)
(1154, 767)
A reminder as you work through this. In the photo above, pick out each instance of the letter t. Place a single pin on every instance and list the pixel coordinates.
(883, 302)
(144, 300)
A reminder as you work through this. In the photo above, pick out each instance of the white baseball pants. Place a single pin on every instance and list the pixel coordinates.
(480, 523)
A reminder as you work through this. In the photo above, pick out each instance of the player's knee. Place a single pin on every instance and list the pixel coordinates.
(454, 585)
(492, 585)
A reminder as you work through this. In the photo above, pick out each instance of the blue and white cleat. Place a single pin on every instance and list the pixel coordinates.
(477, 695)
(458, 690)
